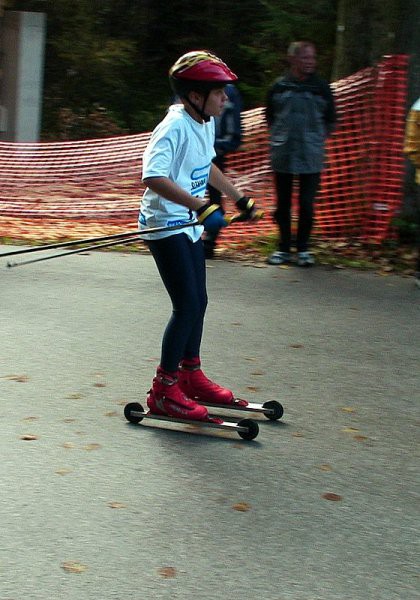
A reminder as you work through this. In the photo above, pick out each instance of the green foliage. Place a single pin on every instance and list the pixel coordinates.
(407, 228)
(111, 57)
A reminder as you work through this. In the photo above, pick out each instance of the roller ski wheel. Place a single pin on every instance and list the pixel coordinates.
(247, 429)
(272, 409)
(134, 412)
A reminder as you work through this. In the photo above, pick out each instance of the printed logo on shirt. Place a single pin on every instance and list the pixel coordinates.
(199, 179)
(174, 222)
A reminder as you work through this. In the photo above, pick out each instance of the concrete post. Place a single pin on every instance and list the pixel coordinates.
(22, 47)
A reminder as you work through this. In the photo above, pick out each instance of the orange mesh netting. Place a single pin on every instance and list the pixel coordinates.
(90, 187)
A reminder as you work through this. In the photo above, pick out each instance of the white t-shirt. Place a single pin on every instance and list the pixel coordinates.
(181, 149)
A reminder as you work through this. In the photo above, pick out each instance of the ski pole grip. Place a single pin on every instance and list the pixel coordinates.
(244, 216)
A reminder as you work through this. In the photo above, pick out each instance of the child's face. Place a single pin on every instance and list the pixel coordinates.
(216, 102)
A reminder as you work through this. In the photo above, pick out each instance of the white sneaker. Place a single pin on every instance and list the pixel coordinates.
(279, 258)
(305, 259)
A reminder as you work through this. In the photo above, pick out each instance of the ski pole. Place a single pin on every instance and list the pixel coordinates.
(116, 236)
(77, 251)
(136, 236)
(112, 240)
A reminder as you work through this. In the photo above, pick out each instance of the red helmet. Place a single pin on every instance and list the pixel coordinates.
(201, 66)
(199, 71)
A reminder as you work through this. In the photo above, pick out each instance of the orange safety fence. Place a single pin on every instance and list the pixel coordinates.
(89, 187)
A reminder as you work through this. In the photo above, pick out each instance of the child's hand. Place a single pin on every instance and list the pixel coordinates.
(249, 212)
(211, 217)
(247, 207)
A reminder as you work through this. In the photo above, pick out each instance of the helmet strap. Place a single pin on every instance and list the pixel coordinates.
(198, 110)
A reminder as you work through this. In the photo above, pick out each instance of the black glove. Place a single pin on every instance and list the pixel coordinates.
(248, 211)
(246, 206)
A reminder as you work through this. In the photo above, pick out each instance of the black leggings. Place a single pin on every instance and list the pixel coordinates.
(308, 187)
(182, 267)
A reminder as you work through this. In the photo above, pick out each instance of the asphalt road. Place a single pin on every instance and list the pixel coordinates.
(323, 505)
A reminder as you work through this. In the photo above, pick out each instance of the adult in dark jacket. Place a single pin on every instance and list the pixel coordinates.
(412, 150)
(228, 139)
(300, 113)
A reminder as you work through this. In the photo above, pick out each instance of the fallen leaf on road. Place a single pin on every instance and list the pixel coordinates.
(116, 505)
(325, 467)
(332, 497)
(72, 566)
(92, 447)
(241, 506)
(167, 572)
(19, 378)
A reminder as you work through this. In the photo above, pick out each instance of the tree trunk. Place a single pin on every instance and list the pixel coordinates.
(408, 42)
(365, 32)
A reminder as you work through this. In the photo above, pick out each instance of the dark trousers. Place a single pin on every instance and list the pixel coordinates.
(182, 267)
(308, 187)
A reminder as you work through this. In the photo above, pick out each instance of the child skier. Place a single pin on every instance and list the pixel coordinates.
(177, 166)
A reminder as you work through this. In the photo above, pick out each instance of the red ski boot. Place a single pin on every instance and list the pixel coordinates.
(195, 384)
(166, 398)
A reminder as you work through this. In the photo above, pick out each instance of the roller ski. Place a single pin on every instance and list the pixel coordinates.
(167, 402)
(195, 385)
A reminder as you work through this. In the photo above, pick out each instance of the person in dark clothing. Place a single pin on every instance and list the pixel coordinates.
(228, 139)
(300, 114)
(412, 151)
